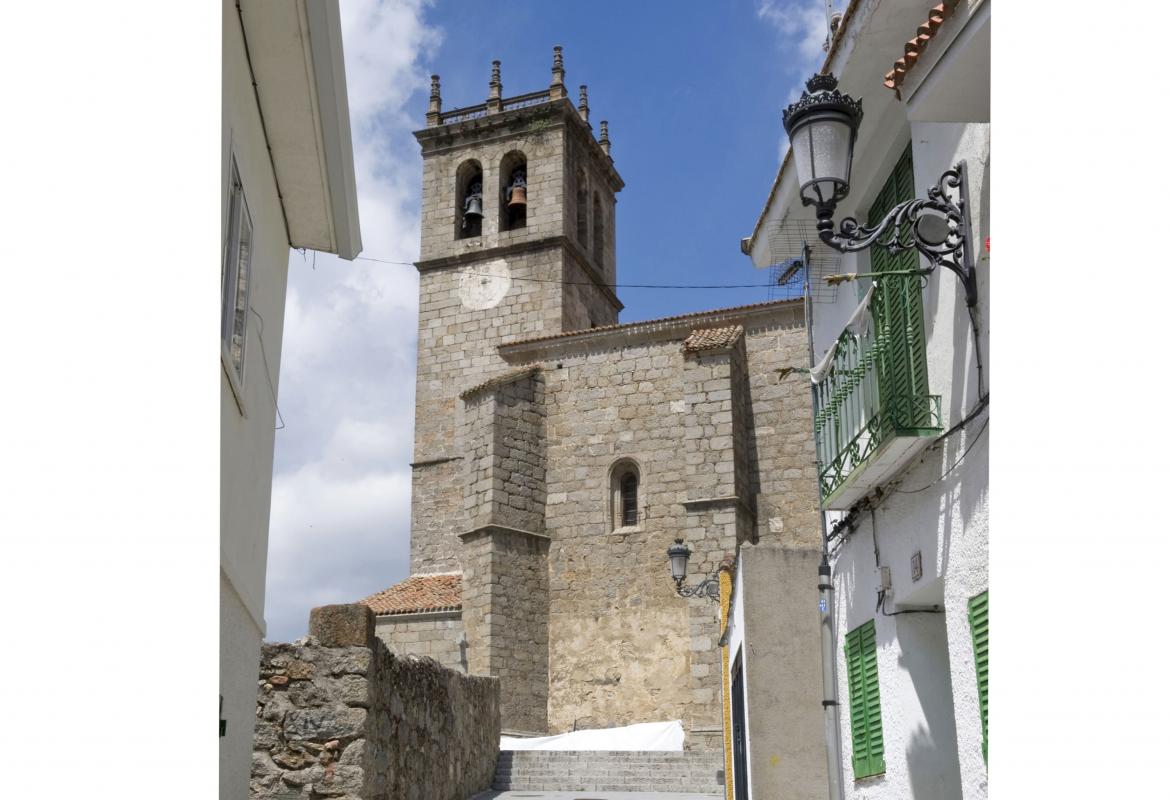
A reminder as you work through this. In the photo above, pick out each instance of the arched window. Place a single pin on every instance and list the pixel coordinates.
(582, 211)
(624, 480)
(468, 200)
(629, 493)
(598, 231)
(514, 197)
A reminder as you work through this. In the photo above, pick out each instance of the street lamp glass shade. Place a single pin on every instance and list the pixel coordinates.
(821, 151)
(822, 126)
(678, 554)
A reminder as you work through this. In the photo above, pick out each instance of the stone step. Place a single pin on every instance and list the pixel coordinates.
(615, 771)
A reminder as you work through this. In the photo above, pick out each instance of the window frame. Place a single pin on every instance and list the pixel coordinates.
(238, 214)
(619, 470)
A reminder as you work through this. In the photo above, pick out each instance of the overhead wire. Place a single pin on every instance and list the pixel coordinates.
(593, 283)
(267, 371)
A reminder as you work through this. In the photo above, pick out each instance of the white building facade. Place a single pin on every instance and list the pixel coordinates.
(903, 457)
(288, 181)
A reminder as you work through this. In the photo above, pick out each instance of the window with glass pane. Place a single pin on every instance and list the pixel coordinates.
(235, 277)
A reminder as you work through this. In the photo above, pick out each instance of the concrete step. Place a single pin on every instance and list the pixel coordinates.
(610, 771)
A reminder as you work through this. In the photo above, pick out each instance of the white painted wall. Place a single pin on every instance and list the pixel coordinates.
(247, 437)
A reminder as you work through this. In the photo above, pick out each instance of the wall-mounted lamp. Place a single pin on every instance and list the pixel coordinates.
(679, 554)
(822, 126)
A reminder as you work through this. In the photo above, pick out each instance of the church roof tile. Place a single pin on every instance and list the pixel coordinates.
(702, 339)
(419, 593)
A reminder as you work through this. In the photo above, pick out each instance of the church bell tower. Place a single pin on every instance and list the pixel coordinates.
(518, 223)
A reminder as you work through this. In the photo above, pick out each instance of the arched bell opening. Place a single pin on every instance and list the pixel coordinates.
(514, 197)
(468, 200)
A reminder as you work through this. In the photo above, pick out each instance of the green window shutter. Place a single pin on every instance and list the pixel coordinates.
(977, 614)
(898, 312)
(865, 709)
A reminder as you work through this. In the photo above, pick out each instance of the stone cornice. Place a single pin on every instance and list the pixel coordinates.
(657, 330)
(553, 115)
(492, 527)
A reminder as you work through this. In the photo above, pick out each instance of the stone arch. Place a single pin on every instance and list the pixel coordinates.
(467, 175)
(625, 494)
(514, 164)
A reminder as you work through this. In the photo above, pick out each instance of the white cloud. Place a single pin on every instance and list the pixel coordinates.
(802, 26)
(340, 516)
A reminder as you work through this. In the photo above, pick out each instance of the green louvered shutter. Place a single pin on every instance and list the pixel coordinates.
(977, 613)
(898, 312)
(865, 709)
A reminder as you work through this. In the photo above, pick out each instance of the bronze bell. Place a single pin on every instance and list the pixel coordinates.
(473, 205)
(518, 189)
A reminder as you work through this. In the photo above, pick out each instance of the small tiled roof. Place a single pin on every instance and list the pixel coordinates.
(418, 593)
(712, 338)
(500, 380)
(915, 46)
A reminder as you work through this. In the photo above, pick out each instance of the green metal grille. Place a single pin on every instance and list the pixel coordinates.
(977, 608)
(877, 387)
(865, 708)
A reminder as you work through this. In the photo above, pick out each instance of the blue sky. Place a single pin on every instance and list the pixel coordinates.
(693, 93)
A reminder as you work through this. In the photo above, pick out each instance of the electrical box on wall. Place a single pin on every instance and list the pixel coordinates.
(916, 565)
(886, 582)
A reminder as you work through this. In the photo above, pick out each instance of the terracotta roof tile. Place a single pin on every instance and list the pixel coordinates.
(630, 325)
(442, 592)
(913, 49)
(712, 338)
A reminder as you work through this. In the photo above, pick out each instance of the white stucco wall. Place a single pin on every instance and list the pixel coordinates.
(247, 437)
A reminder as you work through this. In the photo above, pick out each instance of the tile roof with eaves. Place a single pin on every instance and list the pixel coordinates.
(419, 593)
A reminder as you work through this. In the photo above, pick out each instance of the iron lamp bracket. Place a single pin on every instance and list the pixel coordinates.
(938, 227)
(708, 588)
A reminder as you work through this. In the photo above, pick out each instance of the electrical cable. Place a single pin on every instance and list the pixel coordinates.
(594, 283)
(958, 461)
(264, 356)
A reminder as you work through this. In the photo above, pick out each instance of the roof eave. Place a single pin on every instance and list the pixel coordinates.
(328, 57)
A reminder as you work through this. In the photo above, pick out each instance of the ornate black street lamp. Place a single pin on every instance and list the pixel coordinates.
(822, 126)
(679, 553)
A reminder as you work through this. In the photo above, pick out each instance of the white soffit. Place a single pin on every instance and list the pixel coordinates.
(953, 83)
(297, 61)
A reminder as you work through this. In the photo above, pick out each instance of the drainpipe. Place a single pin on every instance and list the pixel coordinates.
(824, 582)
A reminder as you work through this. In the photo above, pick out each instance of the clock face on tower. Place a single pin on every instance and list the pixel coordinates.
(483, 286)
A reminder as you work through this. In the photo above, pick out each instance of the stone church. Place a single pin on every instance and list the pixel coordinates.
(558, 453)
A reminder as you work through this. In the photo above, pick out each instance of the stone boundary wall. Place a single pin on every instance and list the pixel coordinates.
(438, 635)
(340, 716)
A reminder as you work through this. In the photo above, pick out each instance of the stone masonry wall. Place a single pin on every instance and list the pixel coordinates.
(339, 715)
(456, 351)
(504, 454)
(715, 440)
(438, 635)
(506, 614)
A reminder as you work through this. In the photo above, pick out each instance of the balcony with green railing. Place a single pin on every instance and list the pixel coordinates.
(872, 405)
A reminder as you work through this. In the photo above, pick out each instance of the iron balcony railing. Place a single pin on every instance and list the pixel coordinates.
(871, 393)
